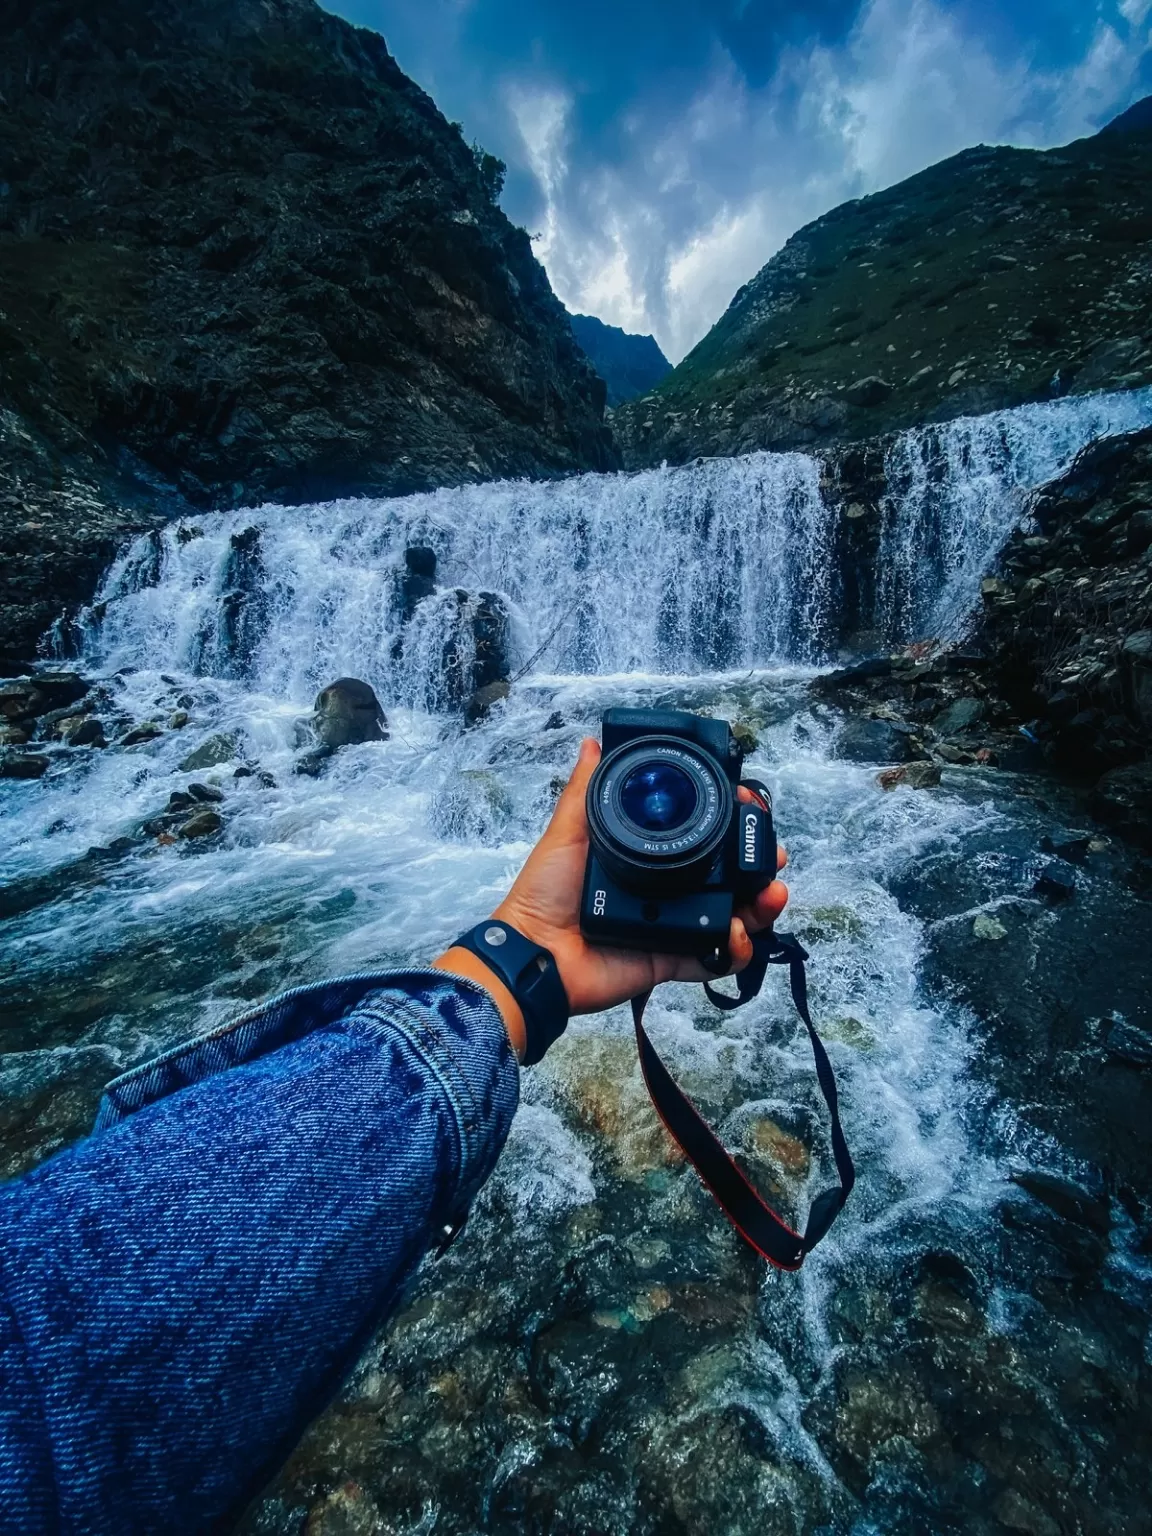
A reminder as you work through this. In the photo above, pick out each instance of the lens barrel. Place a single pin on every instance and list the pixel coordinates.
(658, 811)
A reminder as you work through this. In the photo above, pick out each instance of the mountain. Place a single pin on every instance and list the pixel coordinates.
(243, 257)
(628, 364)
(994, 278)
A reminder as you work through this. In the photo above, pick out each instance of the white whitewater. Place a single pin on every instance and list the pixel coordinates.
(956, 492)
(723, 564)
(667, 587)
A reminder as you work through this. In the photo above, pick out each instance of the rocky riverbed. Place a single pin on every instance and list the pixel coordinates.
(966, 1352)
(291, 744)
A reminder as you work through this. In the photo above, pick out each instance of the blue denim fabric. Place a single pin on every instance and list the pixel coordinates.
(181, 1293)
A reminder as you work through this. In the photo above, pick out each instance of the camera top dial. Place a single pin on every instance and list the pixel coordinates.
(658, 811)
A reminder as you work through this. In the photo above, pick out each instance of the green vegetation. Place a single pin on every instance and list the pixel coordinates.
(996, 277)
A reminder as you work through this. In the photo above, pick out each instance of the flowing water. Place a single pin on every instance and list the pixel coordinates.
(597, 1353)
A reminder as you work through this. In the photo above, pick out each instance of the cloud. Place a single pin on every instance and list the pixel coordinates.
(663, 151)
(662, 240)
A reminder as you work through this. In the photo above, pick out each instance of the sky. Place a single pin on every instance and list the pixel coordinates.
(661, 151)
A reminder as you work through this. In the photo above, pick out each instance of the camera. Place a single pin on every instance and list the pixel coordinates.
(672, 851)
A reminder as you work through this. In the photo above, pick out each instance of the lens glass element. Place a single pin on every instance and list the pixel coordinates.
(659, 797)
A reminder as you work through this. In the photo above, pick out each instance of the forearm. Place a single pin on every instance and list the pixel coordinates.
(192, 1283)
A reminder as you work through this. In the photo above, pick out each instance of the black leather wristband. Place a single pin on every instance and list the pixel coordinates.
(529, 972)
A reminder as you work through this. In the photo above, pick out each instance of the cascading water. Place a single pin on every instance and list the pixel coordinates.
(956, 491)
(719, 565)
(597, 1303)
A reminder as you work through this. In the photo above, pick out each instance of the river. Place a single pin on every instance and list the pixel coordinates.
(597, 1353)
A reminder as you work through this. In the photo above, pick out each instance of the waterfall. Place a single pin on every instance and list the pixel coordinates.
(718, 565)
(956, 491)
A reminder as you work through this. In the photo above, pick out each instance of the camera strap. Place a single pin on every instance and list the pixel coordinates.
(755, 1221)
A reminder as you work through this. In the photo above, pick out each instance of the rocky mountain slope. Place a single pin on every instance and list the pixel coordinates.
(243, 257)
(628, 364)
(996, 277)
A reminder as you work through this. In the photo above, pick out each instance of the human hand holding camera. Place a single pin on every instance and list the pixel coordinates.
(544, 905)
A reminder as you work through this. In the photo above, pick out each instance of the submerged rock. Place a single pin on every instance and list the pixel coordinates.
(221, 748)
(482, 701)
(348, 713)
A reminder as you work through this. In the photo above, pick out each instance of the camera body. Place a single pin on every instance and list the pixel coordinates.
(672, 851)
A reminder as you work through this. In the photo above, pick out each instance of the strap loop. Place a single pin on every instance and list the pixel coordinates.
(755, 1221)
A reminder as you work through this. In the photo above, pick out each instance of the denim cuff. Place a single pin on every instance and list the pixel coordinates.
(450, 1022)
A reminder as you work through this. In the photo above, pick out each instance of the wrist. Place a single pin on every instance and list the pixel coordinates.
(462, 962)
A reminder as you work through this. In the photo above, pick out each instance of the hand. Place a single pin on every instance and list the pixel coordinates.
(544, 905)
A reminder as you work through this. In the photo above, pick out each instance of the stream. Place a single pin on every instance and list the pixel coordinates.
(598, 1353)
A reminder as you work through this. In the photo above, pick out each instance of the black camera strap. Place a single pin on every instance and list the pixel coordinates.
(755, 1221)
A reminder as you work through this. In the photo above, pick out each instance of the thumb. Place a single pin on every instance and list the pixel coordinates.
(569, 822)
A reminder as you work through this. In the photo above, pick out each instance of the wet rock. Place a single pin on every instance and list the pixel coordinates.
(82, 731)
(148, 730)
(12, 736)
(1123, 799)
(221, 748)
(348, 713)
(746, 737)
(21, 701)
(490, 638)
(1073, 848)
(874, 741)
(920, 774)
(203, 824)
(985, 926)
(1055, 882)
(310, 765)
(178, 720)
(1069, 1200)
(419, 579)
(205, 794)
(23, 765)
(555, 721)
(244, 611)
(1129, 1044)
(872, 390)
(483, 700)
(59, 689)
(960, 716)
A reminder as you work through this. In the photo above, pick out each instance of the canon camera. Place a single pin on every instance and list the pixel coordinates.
(673, 851)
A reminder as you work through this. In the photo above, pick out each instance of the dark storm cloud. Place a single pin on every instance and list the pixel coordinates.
(662, 150)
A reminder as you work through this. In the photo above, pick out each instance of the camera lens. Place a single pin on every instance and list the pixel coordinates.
(658, 797)
(658, 810)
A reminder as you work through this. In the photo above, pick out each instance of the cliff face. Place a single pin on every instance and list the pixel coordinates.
(243, 257)
(994, 278)
(628, 364)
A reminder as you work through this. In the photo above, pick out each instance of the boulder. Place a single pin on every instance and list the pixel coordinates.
(221, 748)
(12, 736)
(419, 579)
(920, 774)
(1123, 799)
(205, 823)
(60, 688)
(870, 391)
(482, 701)
(961, 715)
(148, 730)
(874, 741)
(21, 701)
(348, 713)
(23, 765)
(1066, 1199)
(81, 731)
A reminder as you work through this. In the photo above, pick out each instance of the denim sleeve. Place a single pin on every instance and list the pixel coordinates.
(183, 1291)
